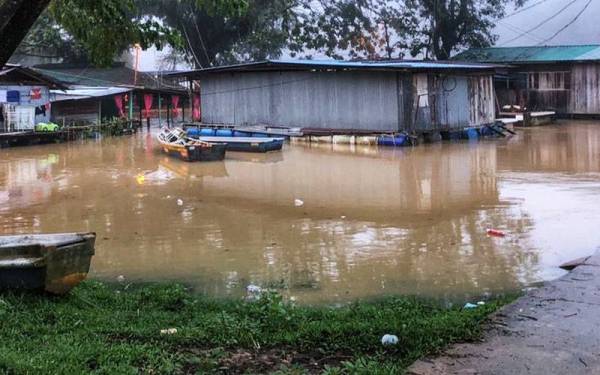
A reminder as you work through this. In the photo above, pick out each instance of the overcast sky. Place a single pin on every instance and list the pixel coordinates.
(585, 30)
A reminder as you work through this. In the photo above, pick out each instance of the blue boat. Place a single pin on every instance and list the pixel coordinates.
(245, 144)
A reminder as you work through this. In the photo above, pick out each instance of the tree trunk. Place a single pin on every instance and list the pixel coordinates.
(16, 18)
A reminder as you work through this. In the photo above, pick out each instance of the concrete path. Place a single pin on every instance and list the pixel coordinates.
(551, 330)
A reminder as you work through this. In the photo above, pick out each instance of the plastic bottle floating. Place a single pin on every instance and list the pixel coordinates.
(495, 233)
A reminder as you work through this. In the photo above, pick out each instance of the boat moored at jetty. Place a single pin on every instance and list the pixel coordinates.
(241, 144)
(176, 142)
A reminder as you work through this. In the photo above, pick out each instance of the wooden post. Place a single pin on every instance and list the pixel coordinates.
(130, 109)
(140, 103)
(99, 112)
(191, 101)
(168, 113)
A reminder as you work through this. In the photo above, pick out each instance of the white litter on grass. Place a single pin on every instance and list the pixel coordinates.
(168, 331)
(120, 278)
(253, 292)
(253, 289)
(298, 202)
(389, 340)
(470, 305)
(481, 303)
(179, 202)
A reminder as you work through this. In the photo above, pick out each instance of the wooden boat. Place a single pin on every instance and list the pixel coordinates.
(246, 144)
(176, 142)
(54, 263)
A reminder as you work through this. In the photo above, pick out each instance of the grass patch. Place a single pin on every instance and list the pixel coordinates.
(110, 331)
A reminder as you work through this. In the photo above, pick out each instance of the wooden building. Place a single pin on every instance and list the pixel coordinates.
(378, 96)
(565, 79)
(24, 98)
(98, 94)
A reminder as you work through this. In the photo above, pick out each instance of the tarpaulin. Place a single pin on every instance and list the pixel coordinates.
(13, 96)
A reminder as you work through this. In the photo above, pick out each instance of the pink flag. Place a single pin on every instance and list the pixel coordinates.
(119, 104)
(197, 114)
(148, 98)
(175, 103)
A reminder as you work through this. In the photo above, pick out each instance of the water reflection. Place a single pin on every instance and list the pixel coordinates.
(374, 221)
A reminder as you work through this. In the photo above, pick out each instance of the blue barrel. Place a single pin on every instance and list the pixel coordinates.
(397, 140)
(193, 132)
(486, 131)
(224, 133)
(239, 133)
(207, 132)
(472, 133)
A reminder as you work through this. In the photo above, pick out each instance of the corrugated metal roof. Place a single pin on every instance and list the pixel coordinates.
(536, 54)
(86, 93)
(21, 74)
(291, 64)
(117, 75)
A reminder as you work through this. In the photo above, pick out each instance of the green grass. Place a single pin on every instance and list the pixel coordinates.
(109, 330)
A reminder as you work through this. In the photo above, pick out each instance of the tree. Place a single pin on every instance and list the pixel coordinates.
(105, 28)
(449, 25)
(371, 29)
(212, 38)
(392, 29)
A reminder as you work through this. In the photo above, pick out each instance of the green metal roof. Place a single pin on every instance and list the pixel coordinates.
(530, 55)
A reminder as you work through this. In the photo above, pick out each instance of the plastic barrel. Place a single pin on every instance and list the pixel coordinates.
(207, 132)
(193, 132)
(388, 140)
(239, 133)
(224, 133)
(472, 133)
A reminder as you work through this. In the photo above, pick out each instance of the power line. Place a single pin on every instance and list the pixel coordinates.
(518, 30)
(541, 23)
(523, 10)
(568, 24)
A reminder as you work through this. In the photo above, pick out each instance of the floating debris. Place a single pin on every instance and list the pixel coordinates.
(389, 340)
(121, 278)
(495, 233)
(298, 202)
(179, 202)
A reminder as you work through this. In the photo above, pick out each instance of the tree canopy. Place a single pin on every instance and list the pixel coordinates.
(213, 32)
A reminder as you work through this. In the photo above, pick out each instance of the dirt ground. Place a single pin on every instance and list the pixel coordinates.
(551, 330)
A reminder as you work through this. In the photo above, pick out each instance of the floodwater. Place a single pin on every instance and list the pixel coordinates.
(374, 221)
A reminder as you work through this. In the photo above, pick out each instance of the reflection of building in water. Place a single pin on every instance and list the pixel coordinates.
(418, 180)
(26, 182)
(572, 148)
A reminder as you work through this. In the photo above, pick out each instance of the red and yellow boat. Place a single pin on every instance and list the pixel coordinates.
(176, 142)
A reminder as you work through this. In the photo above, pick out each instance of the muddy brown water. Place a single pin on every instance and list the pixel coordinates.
(375, 221)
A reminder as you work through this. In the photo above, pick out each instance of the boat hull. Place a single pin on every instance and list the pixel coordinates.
(53, 263)
(193, 153)
(244, 144)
